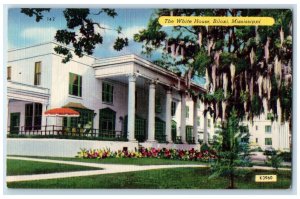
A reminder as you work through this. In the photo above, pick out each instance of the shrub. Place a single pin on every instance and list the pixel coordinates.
(286, 156)
(275, 161)
(204, 147)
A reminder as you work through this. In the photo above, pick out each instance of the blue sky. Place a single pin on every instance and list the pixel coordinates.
(25, 31)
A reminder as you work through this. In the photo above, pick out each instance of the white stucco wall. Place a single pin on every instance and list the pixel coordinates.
(60, 147)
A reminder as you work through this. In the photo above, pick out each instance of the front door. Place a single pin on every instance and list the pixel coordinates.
(14, 123)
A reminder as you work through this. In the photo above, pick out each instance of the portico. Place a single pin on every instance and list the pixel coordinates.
(159, 88)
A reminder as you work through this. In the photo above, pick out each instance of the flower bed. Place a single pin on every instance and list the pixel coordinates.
(175, 154)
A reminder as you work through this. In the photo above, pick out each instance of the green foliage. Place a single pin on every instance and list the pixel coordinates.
(202, 61)
(286, 156)
(37, 12)
(232, 152)
(204, 147)
(87, 39)
(275, 161)
(120, 43)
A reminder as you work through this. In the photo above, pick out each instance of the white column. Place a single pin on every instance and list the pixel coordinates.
(183, 118)
(205, 133)
(131, 108)
(195, 122)
(168, 116)
(151, 113)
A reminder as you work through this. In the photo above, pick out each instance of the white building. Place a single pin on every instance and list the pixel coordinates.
(118, 97)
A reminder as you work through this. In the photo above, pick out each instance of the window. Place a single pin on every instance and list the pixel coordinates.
(256, 128)
(33, 116)
(268, 129)
(268, 141)
(198, 121)
(107, 120)
(9, 73)
(198, 105)
(85, 119)
(75, 85)
(173, 108)
(37, 73)
(107, 93)
(208, 123)
(256, 140)
(189, 134)
(158, 107)
(187, 111)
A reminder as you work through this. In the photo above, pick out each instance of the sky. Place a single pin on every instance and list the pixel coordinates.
(25, 31)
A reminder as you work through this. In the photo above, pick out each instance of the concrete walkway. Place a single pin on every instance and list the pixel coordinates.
(107, 169)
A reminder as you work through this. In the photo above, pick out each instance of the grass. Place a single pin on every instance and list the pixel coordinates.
(133, 161)
(177, 178)
(24, 167)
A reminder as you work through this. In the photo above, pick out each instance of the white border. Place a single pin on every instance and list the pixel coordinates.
(159, 3)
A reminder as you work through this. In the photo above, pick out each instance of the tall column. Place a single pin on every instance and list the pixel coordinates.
(183, 118)
(205, 133)
(195, 118)
(151, 113)
(131, 108)
(168, 116)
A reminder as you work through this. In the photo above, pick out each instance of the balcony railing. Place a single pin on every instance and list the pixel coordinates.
(54, 131)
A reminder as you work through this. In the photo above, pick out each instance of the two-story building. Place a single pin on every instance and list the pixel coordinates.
(124, 98)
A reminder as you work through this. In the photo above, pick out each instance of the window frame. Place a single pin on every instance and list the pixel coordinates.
(72, 85)
(187, 112)
(107, 93)
(8, 73)
(33, 119)
(37, 73)
(268, 129)
(268, 141)
(173, 108)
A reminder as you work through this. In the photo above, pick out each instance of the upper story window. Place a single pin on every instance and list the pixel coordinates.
(158, 107)
(187, 111)
(9, 73)
(37, 73)
(268, 129)
(75, 84)
(256, 128)
(107, 93)
(173, 108)
(268, 141)
(198, 121)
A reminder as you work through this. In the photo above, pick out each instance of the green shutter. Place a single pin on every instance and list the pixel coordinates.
(70, 83)
(79, 86)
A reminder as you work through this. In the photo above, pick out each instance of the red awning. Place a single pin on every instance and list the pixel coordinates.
(62, 112)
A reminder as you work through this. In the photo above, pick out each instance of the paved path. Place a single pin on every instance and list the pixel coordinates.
(107, 169)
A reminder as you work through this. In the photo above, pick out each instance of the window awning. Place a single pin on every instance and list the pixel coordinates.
(75, 105)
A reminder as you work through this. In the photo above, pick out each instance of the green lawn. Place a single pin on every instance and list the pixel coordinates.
(24, 167)
(178, 178)
(134, 161)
